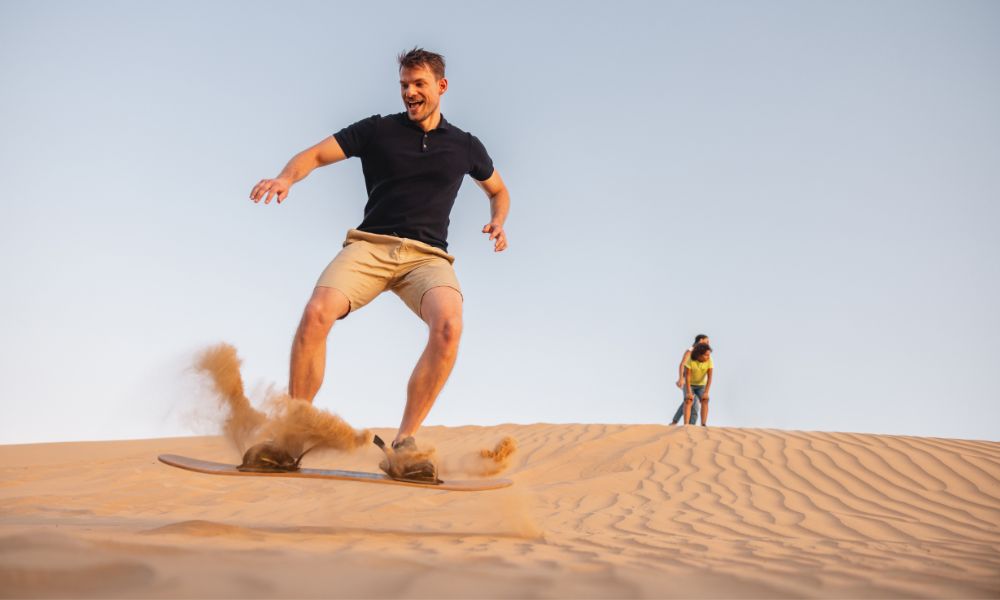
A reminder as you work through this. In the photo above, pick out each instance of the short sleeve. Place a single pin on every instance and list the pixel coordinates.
(354, 138)
(480, 163)
(711, 365)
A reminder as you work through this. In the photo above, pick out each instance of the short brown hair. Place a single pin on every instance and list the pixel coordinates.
(419, 57)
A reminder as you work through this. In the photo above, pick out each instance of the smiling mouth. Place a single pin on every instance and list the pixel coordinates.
(414, 104)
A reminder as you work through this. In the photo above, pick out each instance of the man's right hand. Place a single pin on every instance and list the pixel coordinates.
(271, 188)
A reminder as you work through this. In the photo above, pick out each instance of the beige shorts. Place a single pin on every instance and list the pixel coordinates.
(370, 264)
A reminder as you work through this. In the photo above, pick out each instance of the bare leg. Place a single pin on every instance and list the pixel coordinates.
(308, 363)
(704, 411)
(441, 309)
(687, 410)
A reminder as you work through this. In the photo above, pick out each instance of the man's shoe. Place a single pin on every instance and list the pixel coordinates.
(405, 462)
(268, 457)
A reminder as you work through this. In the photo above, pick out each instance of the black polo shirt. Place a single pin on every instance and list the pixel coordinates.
(412, 177)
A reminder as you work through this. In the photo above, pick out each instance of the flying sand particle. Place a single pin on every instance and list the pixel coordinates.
(295, 426)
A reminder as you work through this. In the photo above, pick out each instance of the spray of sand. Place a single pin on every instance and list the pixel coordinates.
(484, 463)
(295, 426)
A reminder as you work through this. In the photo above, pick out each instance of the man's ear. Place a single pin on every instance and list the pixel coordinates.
(443, 85)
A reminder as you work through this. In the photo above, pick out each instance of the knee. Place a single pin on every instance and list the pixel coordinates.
(446, 332)
(317, 319)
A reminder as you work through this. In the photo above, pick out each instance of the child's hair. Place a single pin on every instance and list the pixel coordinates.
(699, 351)
(699, 337)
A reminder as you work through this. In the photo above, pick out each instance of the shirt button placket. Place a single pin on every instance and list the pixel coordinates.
(425, 141)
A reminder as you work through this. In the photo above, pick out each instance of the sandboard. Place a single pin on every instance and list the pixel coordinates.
(214, 468)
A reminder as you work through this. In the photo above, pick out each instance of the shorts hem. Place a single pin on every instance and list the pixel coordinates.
(420, 305)
(350, 302)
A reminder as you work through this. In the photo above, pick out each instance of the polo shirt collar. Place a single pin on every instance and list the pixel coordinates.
(443, 125)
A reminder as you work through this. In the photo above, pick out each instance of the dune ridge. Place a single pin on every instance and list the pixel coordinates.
(596, 511)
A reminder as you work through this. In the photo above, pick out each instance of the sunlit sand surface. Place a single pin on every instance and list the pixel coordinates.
(596, 511)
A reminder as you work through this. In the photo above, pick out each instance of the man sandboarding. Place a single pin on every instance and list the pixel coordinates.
(413, 163)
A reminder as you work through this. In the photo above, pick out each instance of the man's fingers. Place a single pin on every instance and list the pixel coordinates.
(259, 190)
(267, 190)
(496, 235)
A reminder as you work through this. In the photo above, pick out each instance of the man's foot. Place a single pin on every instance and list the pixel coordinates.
(268, 457)
(404, 461)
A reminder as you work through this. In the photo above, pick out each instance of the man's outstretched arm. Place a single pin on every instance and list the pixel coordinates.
(324, 153)
(499, 207)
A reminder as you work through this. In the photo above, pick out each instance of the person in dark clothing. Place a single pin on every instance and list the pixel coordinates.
(413, 163)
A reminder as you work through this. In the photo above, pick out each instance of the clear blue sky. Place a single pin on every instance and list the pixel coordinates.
(814, 184)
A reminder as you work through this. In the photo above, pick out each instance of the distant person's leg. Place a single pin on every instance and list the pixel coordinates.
(696, 391)
(680, 412)
(691, 408)
(704, 408)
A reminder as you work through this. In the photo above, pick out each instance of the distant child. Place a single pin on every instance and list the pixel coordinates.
(697, 381)
(698, 339)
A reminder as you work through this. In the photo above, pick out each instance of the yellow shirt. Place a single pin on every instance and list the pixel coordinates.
(698, 371)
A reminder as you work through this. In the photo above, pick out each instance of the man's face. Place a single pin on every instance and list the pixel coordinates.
(705, 341)
(421, 91)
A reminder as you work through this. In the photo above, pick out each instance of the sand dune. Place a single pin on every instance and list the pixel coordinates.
(596, 511)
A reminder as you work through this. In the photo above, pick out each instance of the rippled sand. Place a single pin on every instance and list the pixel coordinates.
(596, 511)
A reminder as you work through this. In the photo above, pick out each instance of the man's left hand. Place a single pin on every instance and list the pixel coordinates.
(496, 233)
